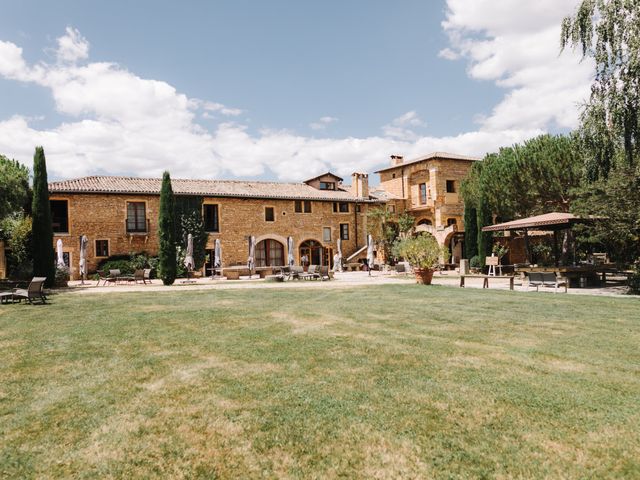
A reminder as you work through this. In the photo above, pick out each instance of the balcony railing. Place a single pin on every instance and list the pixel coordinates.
(137, 228)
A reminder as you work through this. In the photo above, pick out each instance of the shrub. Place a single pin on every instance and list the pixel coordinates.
(421, 251)
(475, 262)
(16, 230)
(124, 266)
(634, 282)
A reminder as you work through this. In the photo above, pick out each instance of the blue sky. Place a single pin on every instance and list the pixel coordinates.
(280, 89)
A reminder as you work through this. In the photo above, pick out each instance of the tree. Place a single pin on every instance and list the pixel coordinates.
(615, 203)
(470, 231)
(406, 222)
(537, 176)
(608, 32)
(15, 193)
(167, 230)
(42, 230)
(191, 223)
(382, 228)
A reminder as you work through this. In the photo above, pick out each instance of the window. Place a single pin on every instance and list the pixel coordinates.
(451, 221)
(269, 215)
(102, 248)
(357, 208)
(451, 186)
(327, 186)
(423, 193)
(303, 206)
(342, 207)
(393, 175)
(211, 223)
(326, 234)
(344, 231)
(59, 216)
(136, 217)
(391, 208)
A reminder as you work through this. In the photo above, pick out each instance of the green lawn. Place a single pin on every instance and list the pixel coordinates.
(373, 382)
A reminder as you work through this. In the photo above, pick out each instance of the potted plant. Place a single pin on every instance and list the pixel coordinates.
(423, 253)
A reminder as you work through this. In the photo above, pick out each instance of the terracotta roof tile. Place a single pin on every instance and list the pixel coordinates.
(551, 220)
(214, 188)
(432, 156)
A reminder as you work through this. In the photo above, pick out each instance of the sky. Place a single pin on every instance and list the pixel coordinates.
(281, 89)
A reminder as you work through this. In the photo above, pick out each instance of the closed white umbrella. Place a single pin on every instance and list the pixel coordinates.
(370, 257)
(290, 258)
(337, 264)
(188, 259)
(217, 257)
(251, 262)
(84, 241)
(60, 262)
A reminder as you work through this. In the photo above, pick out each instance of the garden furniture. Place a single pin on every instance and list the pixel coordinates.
(35, 290)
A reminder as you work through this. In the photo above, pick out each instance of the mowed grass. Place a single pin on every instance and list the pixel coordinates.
(371, 382)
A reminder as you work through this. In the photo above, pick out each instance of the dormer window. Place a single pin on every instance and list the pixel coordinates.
(327, 185)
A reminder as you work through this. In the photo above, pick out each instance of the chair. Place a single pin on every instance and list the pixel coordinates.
(311, 274)
(138, 276)
(35, 290)
(146, 276)
(114, 276)
(546, 279)
(295, 272)
(324, 273)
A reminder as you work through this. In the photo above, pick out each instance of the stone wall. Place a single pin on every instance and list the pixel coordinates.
(103, 216)
(441, 206)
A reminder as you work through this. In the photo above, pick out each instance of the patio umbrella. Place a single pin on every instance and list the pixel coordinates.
(370, 258)
(188, 259)
(84, 241)
(60, 261)
(251, 262)
(290, 259)
(337, 266)
(217, 257)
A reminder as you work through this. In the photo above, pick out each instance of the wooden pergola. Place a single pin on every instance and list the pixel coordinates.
(548, 222)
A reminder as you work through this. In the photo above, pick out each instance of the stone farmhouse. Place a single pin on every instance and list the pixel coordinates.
(119, 215)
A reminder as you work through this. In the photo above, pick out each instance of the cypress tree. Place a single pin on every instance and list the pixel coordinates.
(42, 229)
(484, 238)
(470, 231)
(167, 228)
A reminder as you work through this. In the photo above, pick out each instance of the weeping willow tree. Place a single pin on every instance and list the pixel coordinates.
(608, 31)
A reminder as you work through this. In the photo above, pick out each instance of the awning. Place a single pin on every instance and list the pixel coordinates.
(548, 221)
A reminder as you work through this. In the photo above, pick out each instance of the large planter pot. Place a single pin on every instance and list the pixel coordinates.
(423, 275)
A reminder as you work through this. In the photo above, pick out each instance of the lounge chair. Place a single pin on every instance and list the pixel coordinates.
(311, 273)
(324, 273)
(147, 275)
(114, 276)
(35, 290)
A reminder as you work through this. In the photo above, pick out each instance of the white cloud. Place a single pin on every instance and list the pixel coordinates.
(72, 46)
(322, 123)
(399, 127)
(119, 123)
(517, 45)
(220, 108)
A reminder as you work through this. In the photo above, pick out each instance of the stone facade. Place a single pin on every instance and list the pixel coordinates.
(103, 217)
(427, 188)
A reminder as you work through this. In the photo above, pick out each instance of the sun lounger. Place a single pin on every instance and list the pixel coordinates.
(34, 291)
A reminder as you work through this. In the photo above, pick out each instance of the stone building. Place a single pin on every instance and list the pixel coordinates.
(428, 188)
(119, 215)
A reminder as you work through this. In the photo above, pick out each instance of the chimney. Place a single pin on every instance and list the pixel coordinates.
(360, 185)
(396, 160)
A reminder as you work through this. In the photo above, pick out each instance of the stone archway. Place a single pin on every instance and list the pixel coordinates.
(270, 253)
(313, 250)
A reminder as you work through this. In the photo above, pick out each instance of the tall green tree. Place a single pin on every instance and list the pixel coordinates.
(167, 230)
(470, 231)
(15, 194)
(42, 229)
(608, 31)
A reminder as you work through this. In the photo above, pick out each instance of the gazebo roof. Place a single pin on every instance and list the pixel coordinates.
(547, 221)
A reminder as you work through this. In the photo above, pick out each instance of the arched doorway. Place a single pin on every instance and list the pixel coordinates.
(313, 250)
(424, 221)
(269, 253)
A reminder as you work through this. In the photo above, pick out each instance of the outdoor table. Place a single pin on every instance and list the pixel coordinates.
(233, 273)
(264, 271)
(485, 283)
